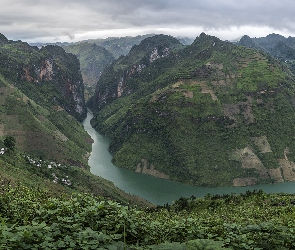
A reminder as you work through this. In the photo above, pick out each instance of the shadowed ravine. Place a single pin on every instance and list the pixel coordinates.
(157, 191)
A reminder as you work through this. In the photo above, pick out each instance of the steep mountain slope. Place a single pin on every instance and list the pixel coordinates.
(41, 131)
(209, 114)
(51, 146)
(119, 46)
(49, 70)
(276, 45)
(93, 59)
(94, 55)
(33, 85)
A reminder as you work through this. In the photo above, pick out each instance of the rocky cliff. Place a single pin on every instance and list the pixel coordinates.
(47, 75)
(117, 79)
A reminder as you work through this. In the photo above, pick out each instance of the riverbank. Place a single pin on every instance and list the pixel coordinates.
(155, 190)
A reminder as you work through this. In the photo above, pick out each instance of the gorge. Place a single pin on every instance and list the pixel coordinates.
(155, 190)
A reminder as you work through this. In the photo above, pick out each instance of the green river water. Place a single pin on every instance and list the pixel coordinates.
(157, 191)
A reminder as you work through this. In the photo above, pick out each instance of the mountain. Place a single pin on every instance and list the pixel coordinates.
(208, 114)
(93, 59)
(119, 46)
(274, 44)
(47, 70)
(113, 83)
(94, 55)
(42, 145)
(38, 87)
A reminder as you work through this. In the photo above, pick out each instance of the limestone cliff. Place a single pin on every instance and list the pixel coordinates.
(47, 75)
(125, 69)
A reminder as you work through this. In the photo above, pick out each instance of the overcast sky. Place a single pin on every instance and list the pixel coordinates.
(73, 20)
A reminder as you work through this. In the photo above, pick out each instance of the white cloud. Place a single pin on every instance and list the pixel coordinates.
(71, 20)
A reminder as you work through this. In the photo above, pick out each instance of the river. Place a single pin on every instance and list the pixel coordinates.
(157, 191)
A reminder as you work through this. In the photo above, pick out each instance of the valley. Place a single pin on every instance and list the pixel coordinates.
(189, 136)
(155, 190)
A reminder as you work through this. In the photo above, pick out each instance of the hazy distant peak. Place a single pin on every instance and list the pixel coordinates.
(247, 41)
(276, 36)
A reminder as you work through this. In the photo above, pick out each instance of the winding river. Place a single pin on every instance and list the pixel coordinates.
(157, 191)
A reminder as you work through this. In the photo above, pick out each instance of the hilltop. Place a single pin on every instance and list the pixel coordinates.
(209, 114)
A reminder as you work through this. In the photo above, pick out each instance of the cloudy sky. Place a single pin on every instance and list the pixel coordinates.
(73, 20)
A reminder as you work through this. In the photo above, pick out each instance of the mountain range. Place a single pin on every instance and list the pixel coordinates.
(41, 108)
(95, 54)
(276, 45)
(209, 114)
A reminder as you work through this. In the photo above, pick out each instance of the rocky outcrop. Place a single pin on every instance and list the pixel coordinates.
(49, 75)
(140, 57)
(62, 70)
(46, 71)
(158, 54)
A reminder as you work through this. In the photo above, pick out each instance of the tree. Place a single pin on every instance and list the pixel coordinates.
(9, 143)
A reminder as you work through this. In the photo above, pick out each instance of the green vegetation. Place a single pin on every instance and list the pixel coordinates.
(198, 113)
(94, 55)
(276, 45)
(55, 177)
(41, 131)
(49, 76)
(33, 219)
(93, 59)
(9, 143)
(41, 93)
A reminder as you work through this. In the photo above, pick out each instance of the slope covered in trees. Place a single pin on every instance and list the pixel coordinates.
(210, 114)
(41, 140)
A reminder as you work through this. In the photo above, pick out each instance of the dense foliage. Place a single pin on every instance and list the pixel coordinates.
(40, 130)
(276, 45)
(32, 219)
(209, 114)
